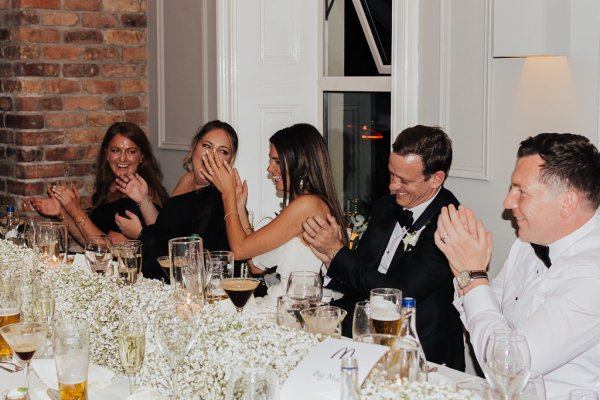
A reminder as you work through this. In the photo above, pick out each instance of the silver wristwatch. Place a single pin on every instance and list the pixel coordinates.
(465, 277)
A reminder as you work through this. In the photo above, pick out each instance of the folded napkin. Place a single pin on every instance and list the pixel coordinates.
(98, 377)
(145, 393)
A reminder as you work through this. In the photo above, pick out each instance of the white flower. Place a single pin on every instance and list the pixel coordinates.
(224, 343)
(410, 238)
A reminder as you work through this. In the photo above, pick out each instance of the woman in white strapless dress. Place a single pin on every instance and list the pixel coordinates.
(300, 168)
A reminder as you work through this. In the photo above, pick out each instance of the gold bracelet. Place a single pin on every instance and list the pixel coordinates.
(81, 221)
(144, 201)
(231, 213)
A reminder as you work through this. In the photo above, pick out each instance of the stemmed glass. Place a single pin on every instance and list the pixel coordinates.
(132, 344)
(43, 312)
(25, 338)
(99, 254)
(239, 291)
(175, 332)
(305, 285)
(507, 363)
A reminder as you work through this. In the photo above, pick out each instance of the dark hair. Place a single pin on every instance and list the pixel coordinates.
(211, 126)
(570, 161)
(428, 142)
(149, 168)
(303, 155)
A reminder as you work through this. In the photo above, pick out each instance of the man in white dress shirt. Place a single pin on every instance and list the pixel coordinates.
(549, 287)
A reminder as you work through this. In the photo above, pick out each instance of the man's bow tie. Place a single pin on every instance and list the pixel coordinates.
(543, 253)
(403, 216)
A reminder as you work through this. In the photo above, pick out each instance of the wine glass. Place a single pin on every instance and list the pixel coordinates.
(239, 291)
(25, 338)
(305, 285)
(253, 382)
(175, 332)
(507, 363)
(99, 254)
(132, 340)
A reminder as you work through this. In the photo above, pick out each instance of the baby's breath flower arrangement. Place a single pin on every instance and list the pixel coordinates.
(225, 342)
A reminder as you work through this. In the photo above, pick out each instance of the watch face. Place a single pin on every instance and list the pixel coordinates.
(463, 279)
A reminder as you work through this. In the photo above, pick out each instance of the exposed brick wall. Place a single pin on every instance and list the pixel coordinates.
(68, 69)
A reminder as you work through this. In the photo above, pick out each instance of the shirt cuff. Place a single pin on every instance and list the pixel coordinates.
(326, 279)
(480, 299)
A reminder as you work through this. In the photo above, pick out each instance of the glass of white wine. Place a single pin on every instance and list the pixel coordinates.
(132, 344)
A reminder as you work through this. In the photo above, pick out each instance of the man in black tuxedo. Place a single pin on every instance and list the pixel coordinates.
(398, 250)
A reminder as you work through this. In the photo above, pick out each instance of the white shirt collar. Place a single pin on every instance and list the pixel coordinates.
(558, 247)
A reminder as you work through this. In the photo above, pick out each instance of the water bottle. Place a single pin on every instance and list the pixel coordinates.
(349, 379)
(12, 225)
(408, 331)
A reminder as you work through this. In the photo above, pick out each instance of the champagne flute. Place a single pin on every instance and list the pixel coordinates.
(43, 304)
(175, 332)
(25, 338)
(132, 340)
(239, 291)
(507, 363)
(99, 254)
(305, 285)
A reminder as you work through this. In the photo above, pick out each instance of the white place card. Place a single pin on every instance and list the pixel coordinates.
(317, 377)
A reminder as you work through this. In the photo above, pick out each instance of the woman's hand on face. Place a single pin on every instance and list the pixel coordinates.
(130, 225)
(219, 173)
(134, 187)
(68, 198)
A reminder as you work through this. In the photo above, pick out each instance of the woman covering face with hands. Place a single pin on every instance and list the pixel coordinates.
(300, 168)
(125, 155)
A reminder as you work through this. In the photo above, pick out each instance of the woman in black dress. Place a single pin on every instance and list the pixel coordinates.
(196, 207)
(125, 153)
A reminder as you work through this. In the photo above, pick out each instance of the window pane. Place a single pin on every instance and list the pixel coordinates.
(358, 37)
(357, 132)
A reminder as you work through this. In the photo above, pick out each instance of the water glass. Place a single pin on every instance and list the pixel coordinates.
(186, 255)
(583, 394)
(217, 272)
(361, 323)
(72, 358)
(477, 387)
(253, 382)
(385, 310)
(535, 388)
(129, 261)
(305, 285)
(51, 243)
(99, 254)
(288, 311)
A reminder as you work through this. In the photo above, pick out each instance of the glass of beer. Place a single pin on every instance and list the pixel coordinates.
(132, 340)
(129, 261)
(72, 358)
(9, 313)
(385, 310)
(99, 254)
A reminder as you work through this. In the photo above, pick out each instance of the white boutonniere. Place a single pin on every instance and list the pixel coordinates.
(411, 238)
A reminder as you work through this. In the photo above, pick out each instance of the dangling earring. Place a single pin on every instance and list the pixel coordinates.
(301, 184)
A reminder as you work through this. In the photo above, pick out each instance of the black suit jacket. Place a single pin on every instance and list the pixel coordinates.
(421, 272)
